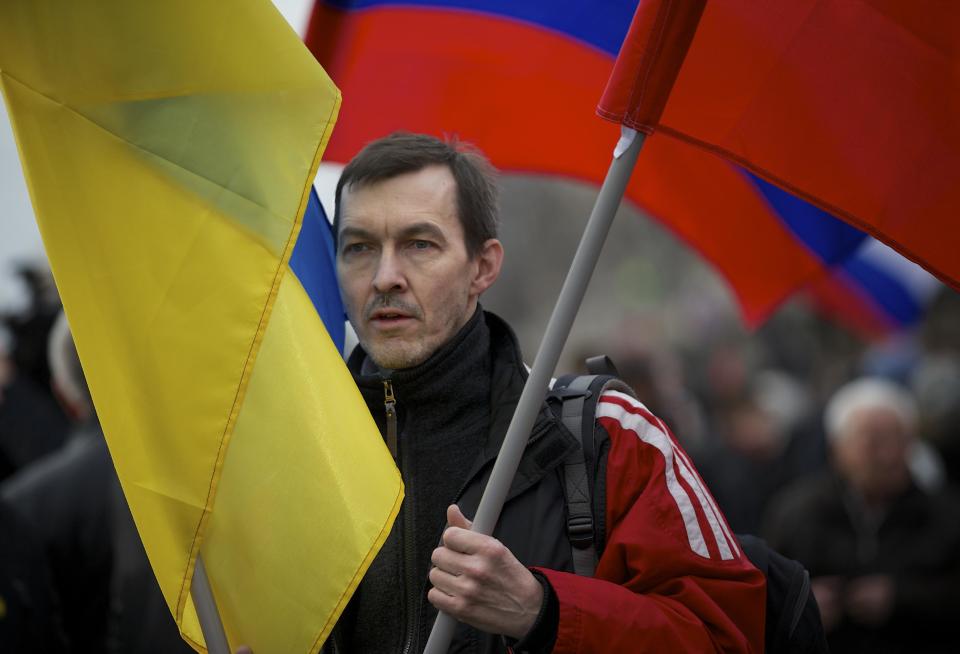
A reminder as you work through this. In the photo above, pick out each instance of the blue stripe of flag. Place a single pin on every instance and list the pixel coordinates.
(314, 264)
(601, 24)
(829, 239)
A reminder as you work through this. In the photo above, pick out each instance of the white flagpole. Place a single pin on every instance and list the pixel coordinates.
(210, 623)
(558, 328)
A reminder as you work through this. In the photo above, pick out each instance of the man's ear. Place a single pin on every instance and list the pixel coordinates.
(489, 261)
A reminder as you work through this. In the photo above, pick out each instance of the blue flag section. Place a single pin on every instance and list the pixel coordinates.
(314, 263)
(601, 25)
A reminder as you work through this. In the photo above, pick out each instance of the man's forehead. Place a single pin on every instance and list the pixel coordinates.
(426, 195)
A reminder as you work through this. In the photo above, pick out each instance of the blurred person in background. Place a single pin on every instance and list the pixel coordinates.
(62, 497)
(883, 553)
(32, 423)
(758, 447)
(658, 378)
(936, 382)
(72, 500)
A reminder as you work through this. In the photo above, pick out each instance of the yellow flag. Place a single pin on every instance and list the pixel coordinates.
(169, 148)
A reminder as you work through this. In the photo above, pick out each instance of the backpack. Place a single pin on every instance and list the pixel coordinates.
(793, 623)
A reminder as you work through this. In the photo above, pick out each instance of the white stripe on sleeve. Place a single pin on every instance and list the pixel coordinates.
(693, 482)
(653, 436)
(731, 539)
(721, 532)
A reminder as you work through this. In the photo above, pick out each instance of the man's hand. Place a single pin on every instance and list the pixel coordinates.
(869, 599)
(829, 594)
(480, 582)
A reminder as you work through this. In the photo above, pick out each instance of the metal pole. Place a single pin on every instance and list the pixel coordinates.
(571, 296)
(210, 624)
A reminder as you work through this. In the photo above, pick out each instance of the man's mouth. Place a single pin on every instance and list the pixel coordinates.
(389, 317)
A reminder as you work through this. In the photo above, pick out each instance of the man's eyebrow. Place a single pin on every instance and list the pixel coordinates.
(422, 229)
(356, 233)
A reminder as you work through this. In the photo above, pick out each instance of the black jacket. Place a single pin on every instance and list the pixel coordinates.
(532, 524)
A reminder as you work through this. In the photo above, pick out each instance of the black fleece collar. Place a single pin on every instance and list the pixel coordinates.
(549, 440)
(472, 341)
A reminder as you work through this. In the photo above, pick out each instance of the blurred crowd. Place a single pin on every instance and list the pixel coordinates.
(843, 454)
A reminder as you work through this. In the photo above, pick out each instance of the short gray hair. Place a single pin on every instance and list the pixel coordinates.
(868, 393)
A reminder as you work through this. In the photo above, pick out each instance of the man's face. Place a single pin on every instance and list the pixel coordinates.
(872, 454)
(406, 279)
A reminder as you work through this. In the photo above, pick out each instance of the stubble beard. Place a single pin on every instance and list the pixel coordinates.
(408, 351)
(394, 352)
(396, 355)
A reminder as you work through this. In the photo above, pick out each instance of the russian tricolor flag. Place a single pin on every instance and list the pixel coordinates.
(784, 119)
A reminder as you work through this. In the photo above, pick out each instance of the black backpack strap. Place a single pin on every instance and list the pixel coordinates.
(576, 482)
(578, 395)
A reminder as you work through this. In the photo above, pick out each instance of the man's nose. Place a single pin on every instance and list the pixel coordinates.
(389, 276)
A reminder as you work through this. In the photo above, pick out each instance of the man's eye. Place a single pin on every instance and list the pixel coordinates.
(354, 248)
(421, 245)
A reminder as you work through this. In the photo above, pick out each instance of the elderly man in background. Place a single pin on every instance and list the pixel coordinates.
(883, 553)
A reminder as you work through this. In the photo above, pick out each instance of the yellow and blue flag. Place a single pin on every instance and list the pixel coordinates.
(169, 149)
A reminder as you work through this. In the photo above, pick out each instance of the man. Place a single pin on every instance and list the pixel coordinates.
(883, 554)
(416, 226)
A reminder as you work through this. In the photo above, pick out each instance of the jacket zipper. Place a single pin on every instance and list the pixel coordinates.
(390, 405)
(411, 595)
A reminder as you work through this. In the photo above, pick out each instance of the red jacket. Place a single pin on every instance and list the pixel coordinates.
(671, 578)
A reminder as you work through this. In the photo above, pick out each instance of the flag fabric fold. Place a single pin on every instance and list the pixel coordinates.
(649, 62)
(169, 150)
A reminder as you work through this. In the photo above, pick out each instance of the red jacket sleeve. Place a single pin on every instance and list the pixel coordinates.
(672, 577)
